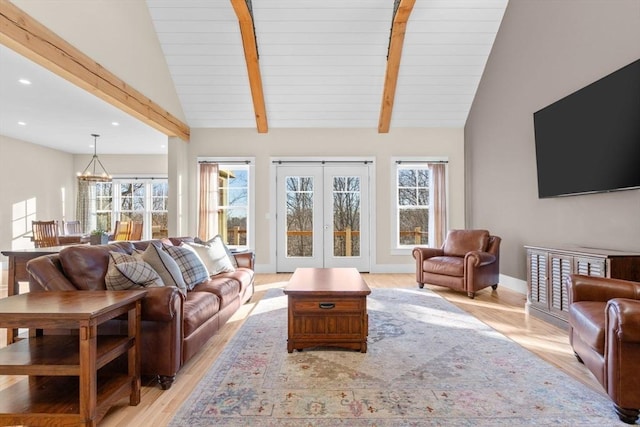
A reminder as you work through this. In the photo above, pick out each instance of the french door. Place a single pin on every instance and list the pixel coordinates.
(322, 216)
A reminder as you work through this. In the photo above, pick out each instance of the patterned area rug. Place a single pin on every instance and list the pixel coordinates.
(428, 364)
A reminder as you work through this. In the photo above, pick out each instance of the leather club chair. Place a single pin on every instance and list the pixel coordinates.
(604, 331)
(469, 260)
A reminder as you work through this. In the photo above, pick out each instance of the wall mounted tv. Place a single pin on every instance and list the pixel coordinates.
(589, 141)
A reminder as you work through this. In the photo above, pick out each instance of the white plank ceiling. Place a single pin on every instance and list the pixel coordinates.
(323, 62)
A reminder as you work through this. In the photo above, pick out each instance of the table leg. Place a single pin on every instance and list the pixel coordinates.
(88, 375)
(134, 321)
(12, 289)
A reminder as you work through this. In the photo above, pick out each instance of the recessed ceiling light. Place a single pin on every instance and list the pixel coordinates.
(22, 123)
(115, 123)
(25, 82)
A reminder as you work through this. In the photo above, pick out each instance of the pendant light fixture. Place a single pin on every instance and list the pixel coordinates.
(91, 173)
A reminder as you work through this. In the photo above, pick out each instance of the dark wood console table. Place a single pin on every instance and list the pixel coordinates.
(72, 380)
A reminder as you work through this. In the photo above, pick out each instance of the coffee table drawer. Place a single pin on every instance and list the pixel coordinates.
(328, 305)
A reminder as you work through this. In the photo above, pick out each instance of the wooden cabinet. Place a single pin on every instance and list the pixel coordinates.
(548, 268)
(327, 307)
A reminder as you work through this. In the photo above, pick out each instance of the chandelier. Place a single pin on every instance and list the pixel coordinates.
(90, 173)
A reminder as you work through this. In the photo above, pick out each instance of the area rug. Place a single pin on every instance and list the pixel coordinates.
(428, 364)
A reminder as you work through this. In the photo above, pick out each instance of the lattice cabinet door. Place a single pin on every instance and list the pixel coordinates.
(560, 268)
(590, 266)
(537, 278)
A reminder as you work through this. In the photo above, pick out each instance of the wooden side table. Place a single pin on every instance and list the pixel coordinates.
(327, 307)
(73, 379)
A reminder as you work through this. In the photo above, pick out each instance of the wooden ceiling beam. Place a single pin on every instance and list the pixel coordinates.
(396, 41)
(20, 32)
(253, 66)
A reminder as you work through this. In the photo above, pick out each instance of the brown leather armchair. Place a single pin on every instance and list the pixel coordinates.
(604, 331)
(469, 260)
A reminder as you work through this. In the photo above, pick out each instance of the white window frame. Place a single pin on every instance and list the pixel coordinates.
(249, 163)
(403, 162)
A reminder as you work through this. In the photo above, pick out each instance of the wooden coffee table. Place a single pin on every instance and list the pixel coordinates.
(327, 307)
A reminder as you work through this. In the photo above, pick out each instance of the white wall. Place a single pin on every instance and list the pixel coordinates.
(333, 143)
(544, 51)
(34, 180)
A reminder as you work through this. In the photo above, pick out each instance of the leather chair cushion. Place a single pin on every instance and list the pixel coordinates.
(587, 320)
(459, 242)
(199, 307)
(444, 265)
(226, 289)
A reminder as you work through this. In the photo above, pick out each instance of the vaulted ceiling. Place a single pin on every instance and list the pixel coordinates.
(319, 63)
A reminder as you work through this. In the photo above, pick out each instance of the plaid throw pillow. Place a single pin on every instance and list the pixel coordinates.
(128, 272)
(164, 265)
(192, 268)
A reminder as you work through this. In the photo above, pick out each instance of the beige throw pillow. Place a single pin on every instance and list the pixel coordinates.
(214, 256)
(127, 272)
(166, 267)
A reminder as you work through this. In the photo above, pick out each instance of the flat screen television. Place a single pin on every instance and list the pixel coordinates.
(589, 141)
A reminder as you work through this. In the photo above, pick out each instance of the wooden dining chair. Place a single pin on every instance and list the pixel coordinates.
(45, 233)
(136, 231)
(72, 227)
(122, 230)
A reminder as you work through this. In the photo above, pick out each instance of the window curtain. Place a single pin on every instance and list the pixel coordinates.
(208, 201)
(439, 198)
(83, 205)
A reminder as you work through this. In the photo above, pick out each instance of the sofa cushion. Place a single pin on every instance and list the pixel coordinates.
(243, 275)
(445, 265)
(588, 321)
(459, 242)
(191, 266)
(166, 267)
(225, 288)
(213, 255)
(86, 266)
(199, 307)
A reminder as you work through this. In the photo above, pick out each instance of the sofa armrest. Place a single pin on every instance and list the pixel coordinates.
(478, 259)
(45, 274)
(245, 259)
(161, 304)
(588, 288)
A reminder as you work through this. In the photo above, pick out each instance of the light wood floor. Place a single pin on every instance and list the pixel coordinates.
(502, 309)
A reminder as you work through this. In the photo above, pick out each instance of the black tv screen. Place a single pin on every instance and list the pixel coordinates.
(589, 141)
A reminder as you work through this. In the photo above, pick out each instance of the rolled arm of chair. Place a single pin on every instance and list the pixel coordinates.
(161, 304)
(479, 259)
(622, 352)
(588, 288)
(245, 259)
(421, 253)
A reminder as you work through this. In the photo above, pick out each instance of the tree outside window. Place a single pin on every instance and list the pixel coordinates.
(413, 205)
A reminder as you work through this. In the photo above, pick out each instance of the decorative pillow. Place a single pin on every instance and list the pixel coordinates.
(214, 256)
(213, 241)
(191, 266)
(164, 265)
(127, 272)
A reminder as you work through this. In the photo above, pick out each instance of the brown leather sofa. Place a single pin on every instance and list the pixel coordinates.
(604, 331)
(174, 326)
(469, 260)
